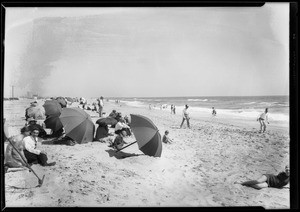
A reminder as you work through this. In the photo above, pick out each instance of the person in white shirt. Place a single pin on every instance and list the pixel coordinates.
(262, 119)
(31, 152)
(122, 126)
(100, 105)
(185, 116)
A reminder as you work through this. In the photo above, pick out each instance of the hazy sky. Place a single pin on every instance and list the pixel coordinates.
(147, 52)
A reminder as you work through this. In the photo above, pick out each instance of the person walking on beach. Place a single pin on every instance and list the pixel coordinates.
(100, 105)
(262, 119)
(174, 108)
(32, 154)
(185, 116)
(214, 112)
(269, 180)
(12, 157)
(171, 109)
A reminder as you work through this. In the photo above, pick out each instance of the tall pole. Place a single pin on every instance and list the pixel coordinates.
(12, 92)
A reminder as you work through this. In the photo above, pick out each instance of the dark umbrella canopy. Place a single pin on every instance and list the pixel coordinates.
(147, 135)
(107, 120)
(78, 124)
(52, 107)
(62, 101)
(53, 122)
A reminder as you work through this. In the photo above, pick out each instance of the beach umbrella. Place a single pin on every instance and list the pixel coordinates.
(107, 120)
(52, 107)
(36, 112)
(146, 134)
(78, 124)
(53, 122)
(62, 101)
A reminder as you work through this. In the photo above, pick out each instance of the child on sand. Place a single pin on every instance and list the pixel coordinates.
(166, 138)
(119, 141)
(262, 118)
(269, 180)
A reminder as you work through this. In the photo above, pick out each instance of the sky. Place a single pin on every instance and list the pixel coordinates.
(147, 51)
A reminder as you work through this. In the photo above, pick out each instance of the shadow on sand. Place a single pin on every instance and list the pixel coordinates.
(120, 154)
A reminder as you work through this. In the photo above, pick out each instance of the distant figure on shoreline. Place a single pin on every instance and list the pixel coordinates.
(214, 112)
(269, 180)
(173, 108)
(166, 138)
(262, 118)
(185, 116)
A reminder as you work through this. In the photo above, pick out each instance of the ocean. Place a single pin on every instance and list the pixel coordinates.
(246, 106)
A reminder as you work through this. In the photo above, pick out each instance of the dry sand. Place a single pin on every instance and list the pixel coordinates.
(198, 169)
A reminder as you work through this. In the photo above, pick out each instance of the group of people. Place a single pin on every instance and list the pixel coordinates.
(22, 150)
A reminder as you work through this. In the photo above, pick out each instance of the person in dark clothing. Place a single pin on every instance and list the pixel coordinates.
(102, 131)
(32, 123)
(270, 180)
(32, 154)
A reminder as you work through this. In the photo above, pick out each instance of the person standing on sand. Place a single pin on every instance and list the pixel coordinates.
(12, 157)
(214, 112)
(269, 180)
(100, 105)
(262, 118)
(185, 116)
(31, 152)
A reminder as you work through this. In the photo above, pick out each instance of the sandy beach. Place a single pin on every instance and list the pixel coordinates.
(198, 169)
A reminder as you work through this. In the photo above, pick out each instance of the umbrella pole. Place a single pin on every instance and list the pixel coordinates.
(126, 146)
(27, 165)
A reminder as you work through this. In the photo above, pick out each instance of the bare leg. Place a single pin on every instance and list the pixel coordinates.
(261, 125)
(258, 184)
(182, 123)
(264, 126)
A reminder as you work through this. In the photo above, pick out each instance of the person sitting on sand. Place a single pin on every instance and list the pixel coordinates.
(13, 157)
(269, 180)
(119, 141)
(102, 132)
(113, 114)
(32, 154)
(122, 126)
(185, 116)
(262, 118)
(166, 138)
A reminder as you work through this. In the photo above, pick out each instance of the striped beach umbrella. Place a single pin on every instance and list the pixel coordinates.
(147, 135)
